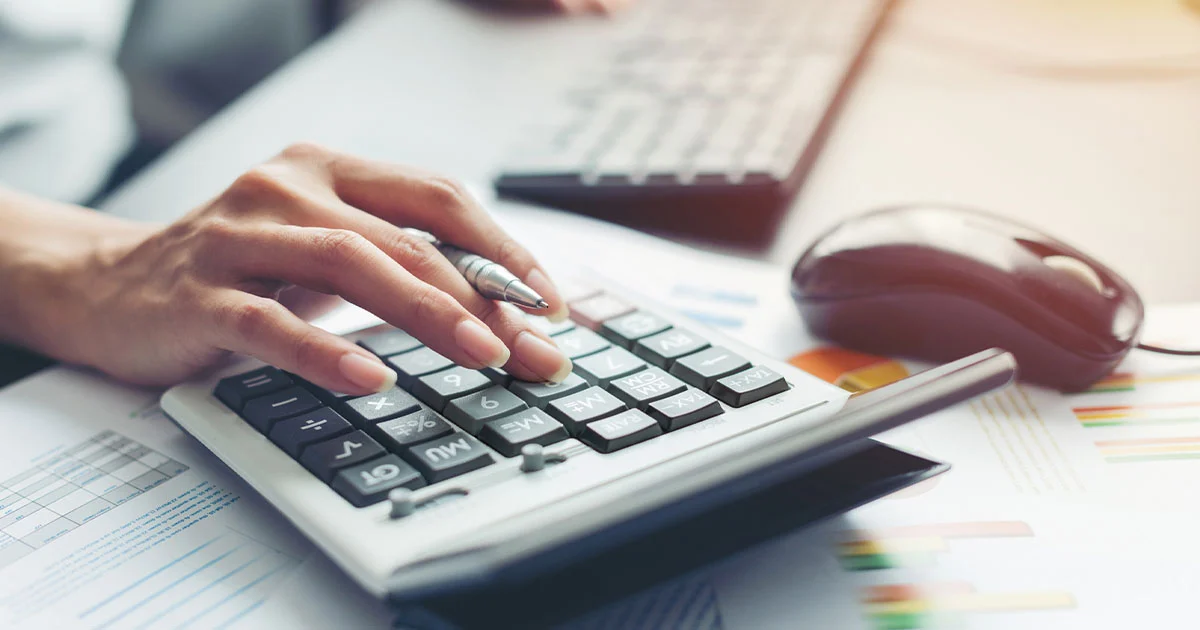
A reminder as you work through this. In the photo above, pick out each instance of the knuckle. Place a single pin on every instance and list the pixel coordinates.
(417, 255)
(429, 304)
(307, 350)
(250, 319)
(305, 151)
(259, 182)
(511, 254)
(339, 247)
(449, 194)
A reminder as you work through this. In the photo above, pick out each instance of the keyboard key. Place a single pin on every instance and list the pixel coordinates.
(324, 459)
(449, 456)
(264, 411)
(749, 386)
(539, 394)
(293, 434)
(619, 431)
(580, 342)
(662, 349)
(369, 483)
(439, 388)
(411, 365)
(576, 410)
(499, 376)
(235, 391)
(701, 370)
(326, 396)
(597, 309)
(642, 388)
(390, 342)
(414, 428)
(471, 412)
(528, 426)
(680, 410)
(378, 407)
(601, 368)
(626, 329)
(549, 327)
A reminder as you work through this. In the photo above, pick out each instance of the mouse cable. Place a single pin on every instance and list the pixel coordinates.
(1173, 351)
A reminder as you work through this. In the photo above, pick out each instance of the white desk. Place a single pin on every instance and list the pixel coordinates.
(1110, 166)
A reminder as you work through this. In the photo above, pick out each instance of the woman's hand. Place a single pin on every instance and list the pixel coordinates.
(156, 305)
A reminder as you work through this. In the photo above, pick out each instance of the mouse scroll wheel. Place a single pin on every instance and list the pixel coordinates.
(1077, 269)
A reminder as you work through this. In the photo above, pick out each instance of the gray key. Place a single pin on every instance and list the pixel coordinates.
(662, 349)
(412, 365)
(529, 426)
(702, 369)
(749, 386)
(369, 483)
(619, 431)
(680, 410)
(580, 343)
(414, 428)
(576, 410)
(539, 394)
(642, 388)
(378, 407)
(499, 376)
(439, 388)
(471, 412)
(626, 329)
(389, 342)
(601, 368)
(448, 457)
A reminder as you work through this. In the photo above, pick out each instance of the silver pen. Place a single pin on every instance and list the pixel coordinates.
(489, 278)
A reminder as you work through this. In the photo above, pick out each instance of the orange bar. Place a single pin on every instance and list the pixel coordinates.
(1079, 410)
(1149, 441)
(908, 592)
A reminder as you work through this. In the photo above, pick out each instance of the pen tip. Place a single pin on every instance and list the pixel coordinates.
(543, 304)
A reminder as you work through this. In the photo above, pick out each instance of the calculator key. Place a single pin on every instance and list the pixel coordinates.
(439, 388)
(539, 394)
(703, 369)
(626, 329)
(642, 388)
(499, 376)
(378, 407)
(448, 456)
(414, 428)
(411, 365)
(753, 385)
(597, 309)
(601, 368)
(580, 342)
(324, 459)
(662, 349)
(390, 342)
(528, 426)
(235, 391)
(576, 410)
(680, 410)
(470, 412)
(369, 483)
(264, 411)
(549, 327)
(327, 396)
(617, 432)
(293, 434)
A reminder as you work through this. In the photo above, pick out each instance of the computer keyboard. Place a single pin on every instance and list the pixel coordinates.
(701, 105)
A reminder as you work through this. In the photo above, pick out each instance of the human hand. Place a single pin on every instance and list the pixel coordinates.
(154, 306)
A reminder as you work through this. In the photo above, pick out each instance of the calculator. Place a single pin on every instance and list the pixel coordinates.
(458, 478)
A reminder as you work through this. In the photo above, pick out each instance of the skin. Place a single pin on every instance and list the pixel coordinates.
(154, 305)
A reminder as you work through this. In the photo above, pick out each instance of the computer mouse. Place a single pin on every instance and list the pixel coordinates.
(938, 283)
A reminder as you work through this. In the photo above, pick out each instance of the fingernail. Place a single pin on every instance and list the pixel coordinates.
(541, 357)
(540, 282)
(367, 372)
(480, 344)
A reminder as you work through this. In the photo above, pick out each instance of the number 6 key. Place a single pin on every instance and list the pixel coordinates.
(473, 411)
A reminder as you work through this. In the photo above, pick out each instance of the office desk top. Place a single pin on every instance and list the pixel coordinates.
(1106, 159)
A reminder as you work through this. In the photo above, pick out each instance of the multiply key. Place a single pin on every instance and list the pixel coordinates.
(640, 389)
(378, 407)
(680, 410)
(528, 426)
(749, 386)
(262, 412)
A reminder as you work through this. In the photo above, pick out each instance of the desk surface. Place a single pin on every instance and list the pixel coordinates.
(1106, 161)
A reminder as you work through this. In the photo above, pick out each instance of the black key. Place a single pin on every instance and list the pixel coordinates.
(580, 343)
(448, 456)
(499, 376)
(390, 342)
(601, 368)
(236, 390)
(662, 349)
(264, 411)
(378, 407)
(617, 432)
(576, 410)
(324, 459)
(753, 385)
(470, 412)
(439, 388)
(642, 388)
(626, 329)
(680, 410)
(539, 394)
(327, 396)
(369, 483)
(528, 426)
(414, 428)
(411, 365)
(549, 327)
(293, 434)
(702, 369)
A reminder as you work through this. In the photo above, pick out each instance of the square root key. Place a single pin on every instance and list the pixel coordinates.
(324, 459)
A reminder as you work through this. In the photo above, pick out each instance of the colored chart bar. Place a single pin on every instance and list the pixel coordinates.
(1149, 449)
(852, 371)
(942, 604)
(1127, 382)
(1144, 414)
(916, 545)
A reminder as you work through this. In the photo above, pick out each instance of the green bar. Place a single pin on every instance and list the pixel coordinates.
(872, 562)
(1104, 389)
(1113, 423)
(899, 621)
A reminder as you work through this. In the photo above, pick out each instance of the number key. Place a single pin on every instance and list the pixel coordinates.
(580, 343)
(539, 394)
(412, 365)
(471, 412)
(439, 388)
(626, 329)
(389, 342)
(601, 368)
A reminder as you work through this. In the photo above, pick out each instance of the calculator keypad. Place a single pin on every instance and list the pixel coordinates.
(636, 378)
